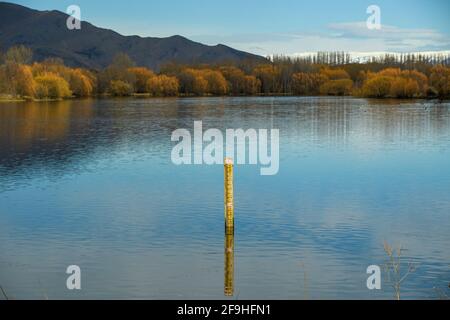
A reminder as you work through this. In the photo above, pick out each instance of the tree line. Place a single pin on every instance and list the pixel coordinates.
(396, 76)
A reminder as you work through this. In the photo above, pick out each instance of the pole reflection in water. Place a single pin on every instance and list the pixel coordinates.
(229, 264)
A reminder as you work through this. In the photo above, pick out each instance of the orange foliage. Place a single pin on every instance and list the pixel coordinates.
(404, 88)
(335, 74)
(202, 81)
(339, 87)
(393, 82)
(389, 72)
(235, 78)
(80, 84)
(252, 85)
(307, 83)
(21, 79)
(217, 85)
(119, 88)
(440, 80)
(52, 79)
(267, 74)
(141, 75)
(162, 86)
(51, 85)
(377, 86)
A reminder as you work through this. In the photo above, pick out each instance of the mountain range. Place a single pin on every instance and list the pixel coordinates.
(46, 33)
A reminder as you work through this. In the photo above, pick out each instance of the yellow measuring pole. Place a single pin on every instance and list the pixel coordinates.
(229, 227)
(229, 265)
(228, 195)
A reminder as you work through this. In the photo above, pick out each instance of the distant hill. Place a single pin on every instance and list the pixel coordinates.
(91, 47)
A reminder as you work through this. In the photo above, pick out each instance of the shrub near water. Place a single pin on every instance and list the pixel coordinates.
(404, 88)
(440, 80)
(217, 85)
(252, 85)
(325, 74)
(119, 88)
(50, 85)
(268, 75)
(395, 83)
(341, 87)
(307, 83)
(162, 86)
(80, 83)
(141, 75)
(202, 81)
(338, 83)
(238, 82)
(16, 80)
(377, 87)
(22, 80)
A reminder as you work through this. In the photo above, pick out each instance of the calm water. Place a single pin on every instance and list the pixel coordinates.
(91, 183)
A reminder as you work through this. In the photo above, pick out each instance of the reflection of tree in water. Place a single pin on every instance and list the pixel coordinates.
(55, 136)
(38, 135)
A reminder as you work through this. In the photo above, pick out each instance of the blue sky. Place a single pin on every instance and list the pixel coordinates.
(267, 27)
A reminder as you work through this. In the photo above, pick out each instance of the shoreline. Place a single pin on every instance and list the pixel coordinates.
(150, 97)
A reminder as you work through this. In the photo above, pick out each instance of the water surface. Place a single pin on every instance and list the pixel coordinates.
(91, 183)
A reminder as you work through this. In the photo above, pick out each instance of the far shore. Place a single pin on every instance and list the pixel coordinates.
(149, 96)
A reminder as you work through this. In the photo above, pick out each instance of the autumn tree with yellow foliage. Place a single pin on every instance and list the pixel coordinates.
(326, 74)
(338, 82)
(395, 83)
(119, 88)
(440, 80)
(307, 83)
(268, 75)
(51, 85)
(141, 76)
(162, 86)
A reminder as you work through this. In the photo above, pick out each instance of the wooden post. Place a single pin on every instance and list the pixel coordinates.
(228, 196)
(229, 265)
(229, 228)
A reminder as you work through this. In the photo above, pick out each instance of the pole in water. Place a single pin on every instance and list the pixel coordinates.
(229, 265)
(228, 195)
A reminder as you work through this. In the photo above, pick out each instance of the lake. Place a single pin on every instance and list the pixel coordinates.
(91, 183)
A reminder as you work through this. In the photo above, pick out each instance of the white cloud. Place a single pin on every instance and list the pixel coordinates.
(350, 36)
(394, 38)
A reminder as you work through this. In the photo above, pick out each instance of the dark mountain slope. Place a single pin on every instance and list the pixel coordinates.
(46, 33)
